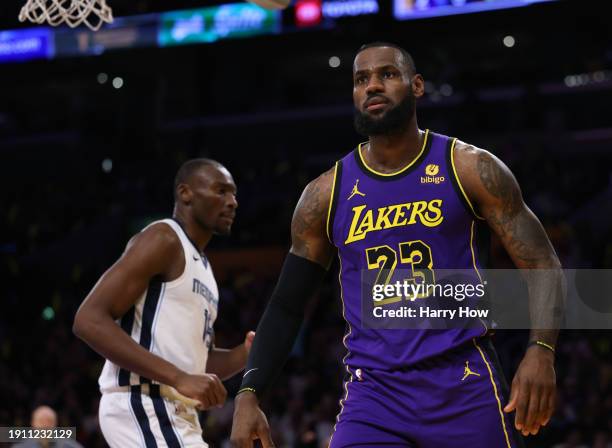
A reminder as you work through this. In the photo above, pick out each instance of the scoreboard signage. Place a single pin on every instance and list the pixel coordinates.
(335, 9)
(418, 9)
(218, 22)
(26, 44)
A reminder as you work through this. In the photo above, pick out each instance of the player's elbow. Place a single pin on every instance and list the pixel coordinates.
(84, 324)
(79, 325)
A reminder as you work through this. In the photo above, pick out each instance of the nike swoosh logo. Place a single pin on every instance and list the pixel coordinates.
(249, 371)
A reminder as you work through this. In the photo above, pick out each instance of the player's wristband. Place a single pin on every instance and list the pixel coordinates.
(541, 344)
(246, 389)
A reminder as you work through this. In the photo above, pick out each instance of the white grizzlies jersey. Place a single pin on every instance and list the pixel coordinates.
(172, 319)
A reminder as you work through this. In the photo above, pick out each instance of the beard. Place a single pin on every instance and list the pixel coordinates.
(390, 122)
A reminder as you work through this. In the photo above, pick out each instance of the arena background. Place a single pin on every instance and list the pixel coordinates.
(84, 165)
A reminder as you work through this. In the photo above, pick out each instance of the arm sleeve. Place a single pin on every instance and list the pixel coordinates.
(299, 280)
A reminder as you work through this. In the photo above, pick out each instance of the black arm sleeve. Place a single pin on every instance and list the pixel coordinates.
(299, 280)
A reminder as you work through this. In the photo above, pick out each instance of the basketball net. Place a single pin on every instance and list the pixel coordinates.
(73, 13)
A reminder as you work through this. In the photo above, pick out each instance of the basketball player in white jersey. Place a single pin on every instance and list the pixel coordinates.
(151, 315)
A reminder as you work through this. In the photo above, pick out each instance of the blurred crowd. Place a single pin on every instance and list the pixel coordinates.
(68, 230)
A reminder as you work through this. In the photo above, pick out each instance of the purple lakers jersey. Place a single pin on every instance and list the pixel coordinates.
(418, 219)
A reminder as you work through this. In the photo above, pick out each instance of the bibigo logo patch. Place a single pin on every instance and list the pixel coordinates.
(430, 175)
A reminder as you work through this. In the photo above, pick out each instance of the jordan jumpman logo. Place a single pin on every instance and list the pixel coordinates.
(467, 371)
(356, 190)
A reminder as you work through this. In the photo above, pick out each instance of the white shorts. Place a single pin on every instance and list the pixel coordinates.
(132, 419)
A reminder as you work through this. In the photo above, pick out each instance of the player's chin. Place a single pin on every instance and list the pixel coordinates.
(375, 115)
(223, 229)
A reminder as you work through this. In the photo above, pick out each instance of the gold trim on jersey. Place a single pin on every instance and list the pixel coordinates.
(330, 206)
(465, 196)
(396, 172)
(499, 406)
(476, 269)
(350, 380)
(472, 249)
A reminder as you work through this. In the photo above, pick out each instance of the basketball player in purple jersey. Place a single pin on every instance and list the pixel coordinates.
(408, 388)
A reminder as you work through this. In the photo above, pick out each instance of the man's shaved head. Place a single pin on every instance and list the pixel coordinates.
(406, 57)
(205, 194)
(188, 168)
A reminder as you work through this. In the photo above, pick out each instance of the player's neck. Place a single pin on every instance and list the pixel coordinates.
(394, 151)
(198, 236)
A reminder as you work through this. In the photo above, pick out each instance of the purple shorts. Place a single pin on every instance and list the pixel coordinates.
(453, 400)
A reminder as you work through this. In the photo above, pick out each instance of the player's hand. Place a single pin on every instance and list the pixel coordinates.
(533, 391)
(248, 341)
(207, 389)
(250, 423)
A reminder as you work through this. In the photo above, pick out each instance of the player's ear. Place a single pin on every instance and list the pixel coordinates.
(417, 84)
(184, 193)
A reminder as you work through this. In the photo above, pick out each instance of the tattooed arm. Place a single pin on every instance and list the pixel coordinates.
(304, 268)
(494, 192)
(308, 227)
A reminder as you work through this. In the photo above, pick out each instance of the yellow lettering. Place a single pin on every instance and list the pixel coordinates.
(352, 236)
(399, 214)
(367, 224)
(417, 210)
(435, 207)
(382, 222)
(428, 213)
